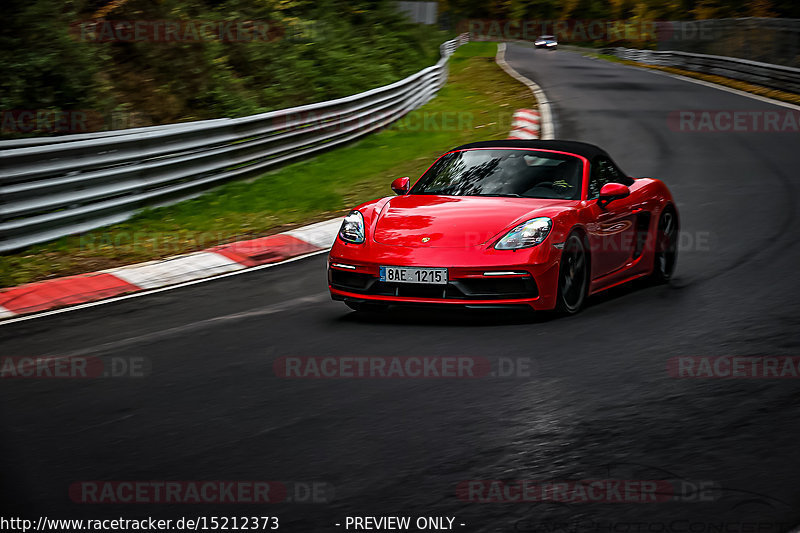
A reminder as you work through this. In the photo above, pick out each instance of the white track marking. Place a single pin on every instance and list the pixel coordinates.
(155, 274)
(321, 234)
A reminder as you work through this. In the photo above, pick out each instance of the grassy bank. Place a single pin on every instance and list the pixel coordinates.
(476, 104)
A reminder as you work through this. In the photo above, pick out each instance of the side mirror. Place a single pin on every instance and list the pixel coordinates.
(401, 185)
(611, 192)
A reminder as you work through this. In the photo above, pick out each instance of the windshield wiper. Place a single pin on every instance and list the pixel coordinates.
(503, 194)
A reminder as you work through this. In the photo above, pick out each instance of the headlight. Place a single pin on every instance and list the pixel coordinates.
(352, 229)
(525, 235)
(538, 43)
(552, 44)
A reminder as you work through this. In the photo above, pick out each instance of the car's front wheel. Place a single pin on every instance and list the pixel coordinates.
(573, 276)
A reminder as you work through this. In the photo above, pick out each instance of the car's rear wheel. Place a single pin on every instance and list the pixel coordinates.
(573, 276)
(666, 253)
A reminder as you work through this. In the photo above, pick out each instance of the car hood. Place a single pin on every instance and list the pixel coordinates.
(453, 221)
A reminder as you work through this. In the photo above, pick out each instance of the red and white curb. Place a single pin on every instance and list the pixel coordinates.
(224, 259)
(525, 124)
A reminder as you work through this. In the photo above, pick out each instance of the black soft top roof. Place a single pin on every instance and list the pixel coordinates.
(573, 147)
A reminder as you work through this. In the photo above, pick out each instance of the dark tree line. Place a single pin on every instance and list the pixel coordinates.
(620, 9)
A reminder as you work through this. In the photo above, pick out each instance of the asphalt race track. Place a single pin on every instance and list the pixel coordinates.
(599, 403)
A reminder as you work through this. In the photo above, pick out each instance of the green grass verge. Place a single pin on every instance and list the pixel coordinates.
(476, 104)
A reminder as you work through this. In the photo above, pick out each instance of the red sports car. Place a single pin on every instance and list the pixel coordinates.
(542, 224)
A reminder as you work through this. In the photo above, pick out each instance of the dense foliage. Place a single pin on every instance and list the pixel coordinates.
(620, 9)
(321, 49)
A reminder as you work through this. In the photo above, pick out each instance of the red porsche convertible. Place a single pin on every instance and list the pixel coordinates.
(542, 224)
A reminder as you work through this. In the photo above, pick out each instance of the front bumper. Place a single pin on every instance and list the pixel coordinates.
(476, 277)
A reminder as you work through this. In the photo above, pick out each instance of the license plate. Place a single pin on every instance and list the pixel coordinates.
(427, 276)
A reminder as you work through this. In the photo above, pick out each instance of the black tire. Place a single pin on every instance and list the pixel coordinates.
(666, 247)
(366, 307)
(573, 276)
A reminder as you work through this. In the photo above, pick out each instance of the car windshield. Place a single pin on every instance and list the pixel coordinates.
(515, 173)
(546, 38)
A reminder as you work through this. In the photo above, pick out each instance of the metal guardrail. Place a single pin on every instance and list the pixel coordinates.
(41, 141)
(765, 74)
(71, 185)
